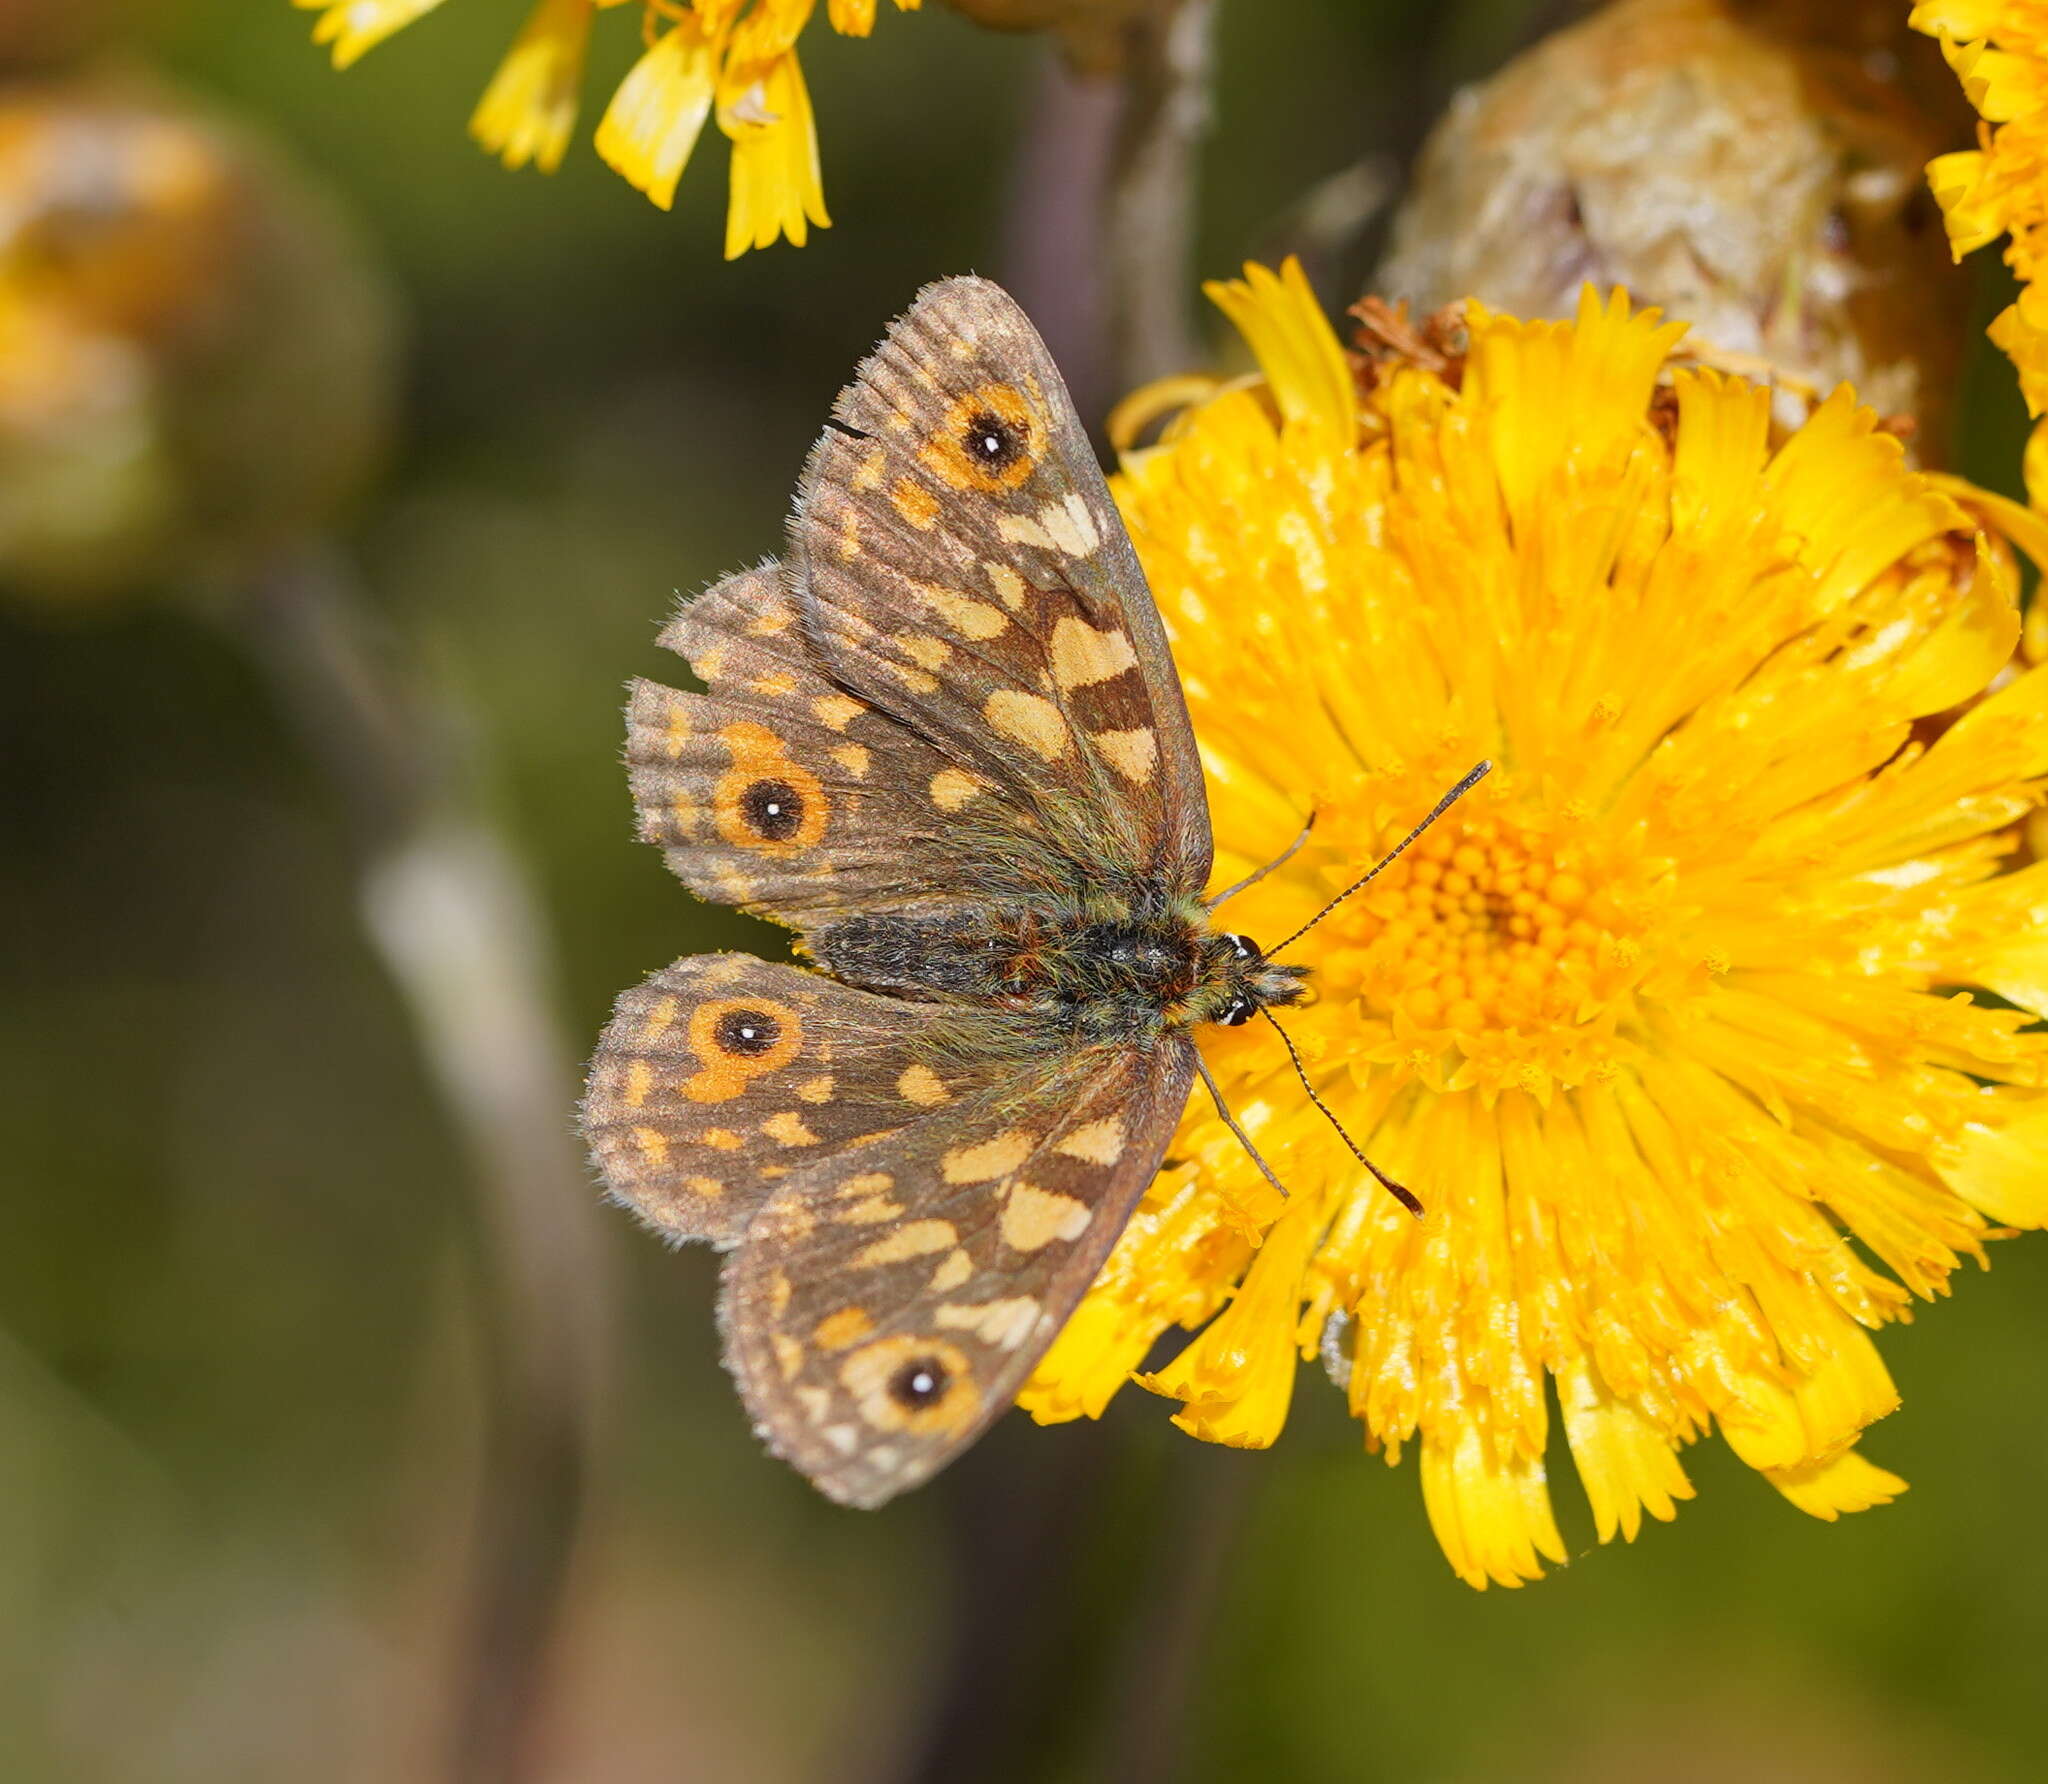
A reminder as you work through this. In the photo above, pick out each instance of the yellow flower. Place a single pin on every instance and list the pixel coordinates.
(739, 55)
(529, 108)
(1999, 50)
(1663, 1021)
(355, 27)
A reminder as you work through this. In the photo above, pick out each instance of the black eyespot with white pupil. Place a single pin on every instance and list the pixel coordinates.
(748, 1033)
(992, 442)
(774, 809)
(919, 1383)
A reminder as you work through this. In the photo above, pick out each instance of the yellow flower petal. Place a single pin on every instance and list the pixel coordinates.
(1283, 324)
(1172, 1266)
(1999, 50)
(856, 18)
(1625, 1461)
(736, 55)
(529, 109)
(354, 27)
(1491, 1514)
(1826, 1490)
(2001, 1162)
(1237, 1378)
(777, 189)
(654, 119)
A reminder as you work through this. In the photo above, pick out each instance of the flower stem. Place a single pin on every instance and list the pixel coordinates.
(1148, 219)
(449, 910)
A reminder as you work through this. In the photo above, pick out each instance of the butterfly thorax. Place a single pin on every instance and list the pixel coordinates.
(1128, 975)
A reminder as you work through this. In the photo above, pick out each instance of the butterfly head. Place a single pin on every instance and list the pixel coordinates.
(1244, 981)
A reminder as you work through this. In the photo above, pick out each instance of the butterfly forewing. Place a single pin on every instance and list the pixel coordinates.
(960, 563)
(780, 792)
(888, 1303)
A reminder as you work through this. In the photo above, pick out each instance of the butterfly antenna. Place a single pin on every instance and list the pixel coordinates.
(1280, 860)
(1230, 1121)
(1391, 856)
(1399, 1191)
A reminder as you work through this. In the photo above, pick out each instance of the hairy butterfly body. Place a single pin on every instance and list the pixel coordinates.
(944, 740)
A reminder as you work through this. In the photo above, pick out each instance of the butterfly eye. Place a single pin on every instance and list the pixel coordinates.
(919, 1383)
(1237, 1012)
(1244, 947)
(774, 809)
(748, 1033)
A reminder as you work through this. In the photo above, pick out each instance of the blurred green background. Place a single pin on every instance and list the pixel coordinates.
(239, 1342)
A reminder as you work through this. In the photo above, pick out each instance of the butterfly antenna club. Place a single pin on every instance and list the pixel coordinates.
(1399, 1191)
(1365, 879)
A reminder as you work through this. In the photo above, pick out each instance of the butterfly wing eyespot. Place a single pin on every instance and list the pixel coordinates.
(750, 1032)
(989, 440)
(911, 1385)
(919, 1382)
(773, 809)
(767, 800)
(779, 791)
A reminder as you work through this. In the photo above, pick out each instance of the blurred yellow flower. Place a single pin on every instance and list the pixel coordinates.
(737, 57)
(1662, 1022)
(1999, 50)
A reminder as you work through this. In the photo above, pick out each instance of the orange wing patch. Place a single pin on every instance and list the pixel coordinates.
(990, 440)
(767, 800)
(912, 1384)
(736, 1040)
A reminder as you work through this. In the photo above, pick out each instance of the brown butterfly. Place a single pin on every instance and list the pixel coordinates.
(944, 740)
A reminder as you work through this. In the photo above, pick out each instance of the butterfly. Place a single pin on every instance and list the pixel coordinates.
(943, 739)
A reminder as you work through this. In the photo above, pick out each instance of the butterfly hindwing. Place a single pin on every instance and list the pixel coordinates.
(959, 562)
(722, 1076)
(887, 1304)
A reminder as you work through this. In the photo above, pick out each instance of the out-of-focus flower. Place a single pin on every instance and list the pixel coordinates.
(1732, 163)
(1663, 1022)
(1999, 50)
(732, 59)
(196, 363)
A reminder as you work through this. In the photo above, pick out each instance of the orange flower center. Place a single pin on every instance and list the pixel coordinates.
(1517, 938)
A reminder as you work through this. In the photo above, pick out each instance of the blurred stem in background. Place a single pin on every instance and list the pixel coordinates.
(1149, 219)
(1100, 241)
(197, 367)
(451, 912)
